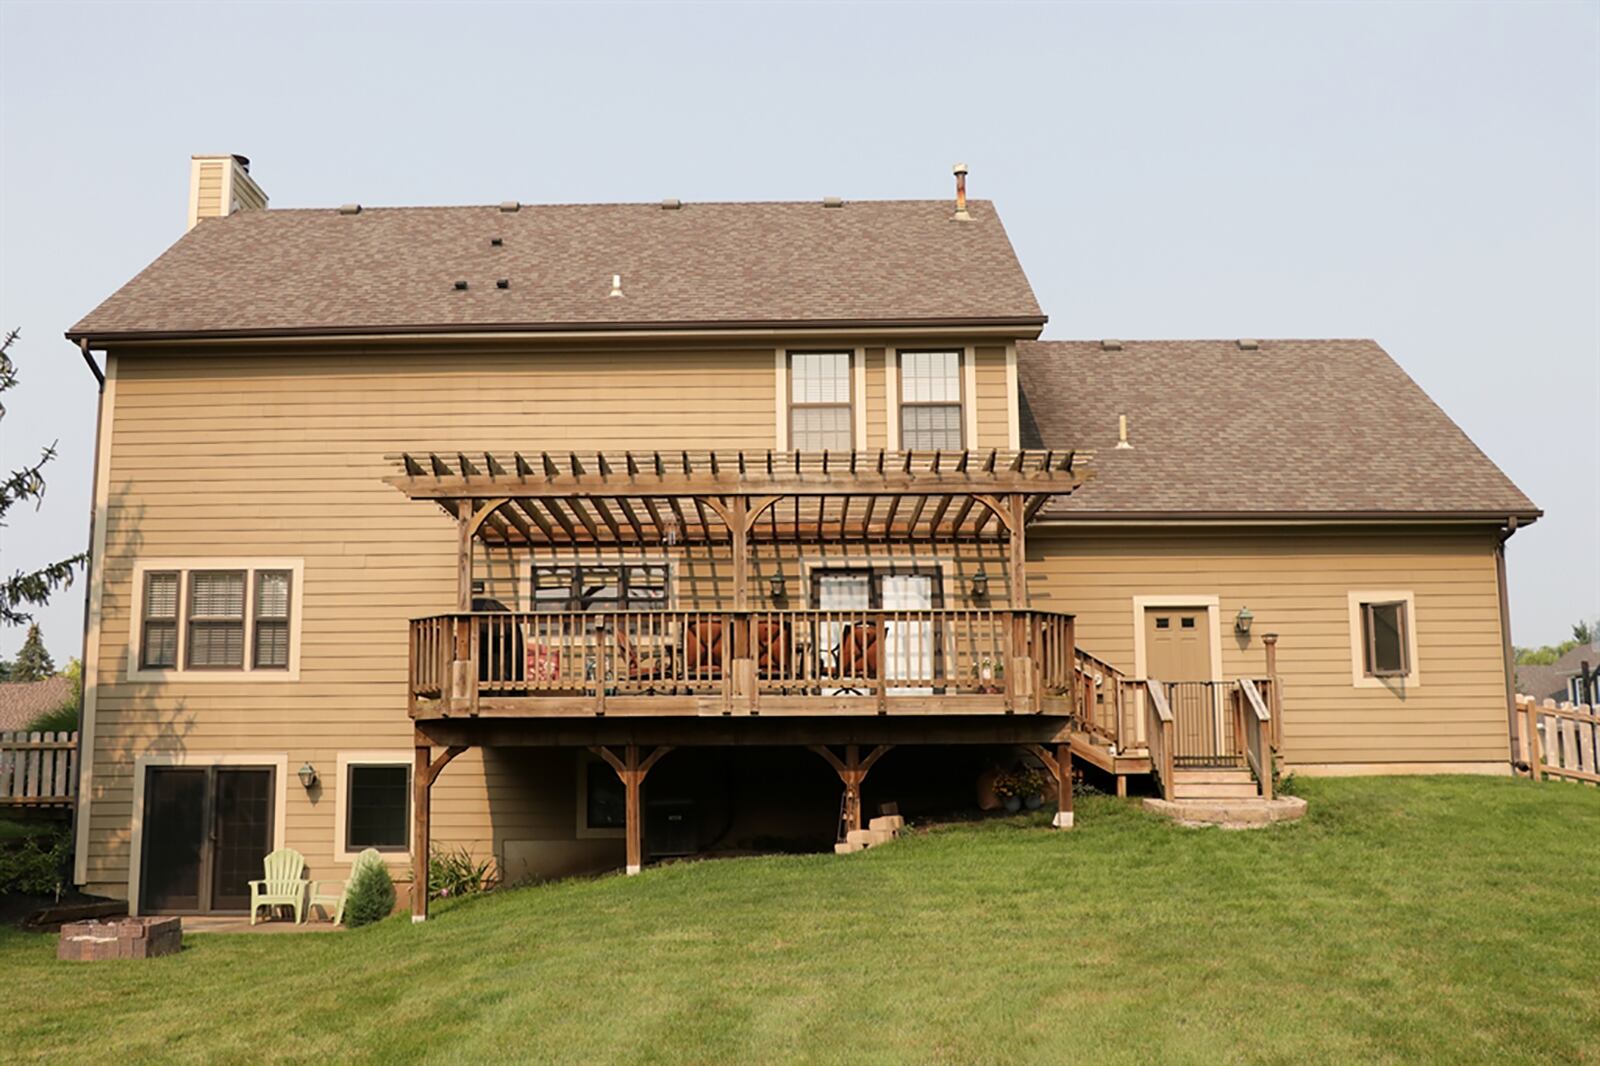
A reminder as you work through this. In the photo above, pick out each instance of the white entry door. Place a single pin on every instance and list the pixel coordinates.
(908, 651)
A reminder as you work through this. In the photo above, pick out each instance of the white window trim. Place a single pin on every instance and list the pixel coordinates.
(279, 761)
(950, 590)
(965, 404)
(249, 671)
(341, 800)
(1358, 655)
(609, 559)
(581, 820)
(1213, 608)
(858, 392)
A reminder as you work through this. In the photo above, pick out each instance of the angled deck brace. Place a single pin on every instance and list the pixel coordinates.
(1060, 766)
(423, 774)
(852, 770)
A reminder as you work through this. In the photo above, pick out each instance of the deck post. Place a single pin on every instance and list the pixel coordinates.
(852, 770)
(632, 770)
(422, 787)
(1274, 698)
(464, 555)
(1063, 819)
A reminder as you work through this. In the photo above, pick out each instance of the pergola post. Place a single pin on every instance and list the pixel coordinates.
(424, 771)
(852, 770)
(464, 532)
(632, 771)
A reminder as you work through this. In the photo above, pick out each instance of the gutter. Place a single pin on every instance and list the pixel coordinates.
(1060, 520)
(757, 327)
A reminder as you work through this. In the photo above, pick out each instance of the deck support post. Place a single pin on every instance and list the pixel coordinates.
(852, 770)
(632, 770)
(424, 771)
(1060, 767)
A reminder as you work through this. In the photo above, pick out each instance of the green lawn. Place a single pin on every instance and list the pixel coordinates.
(1441, 919)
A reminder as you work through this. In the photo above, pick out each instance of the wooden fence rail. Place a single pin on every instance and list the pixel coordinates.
(38, 769)
(1559, 741)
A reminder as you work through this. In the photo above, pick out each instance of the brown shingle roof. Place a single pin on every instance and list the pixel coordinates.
(1329, 427)
(704, 264)
(1550, 682)
(23, 701)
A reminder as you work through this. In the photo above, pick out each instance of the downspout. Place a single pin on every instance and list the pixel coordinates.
(1518, 759)
(88, 583)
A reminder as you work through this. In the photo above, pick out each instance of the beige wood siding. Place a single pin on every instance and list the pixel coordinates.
(876, 400)
(282, 456)
(1297, 583)
(208, 202)
(992, 399)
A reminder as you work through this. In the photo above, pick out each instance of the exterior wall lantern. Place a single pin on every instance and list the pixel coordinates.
(308, 776)
(980, 583)
(776, 584)
(1241, 623)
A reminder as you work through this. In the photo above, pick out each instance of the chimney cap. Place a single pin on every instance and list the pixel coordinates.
(959, 168)
(509, 206)
(349, 209)
(832, 201)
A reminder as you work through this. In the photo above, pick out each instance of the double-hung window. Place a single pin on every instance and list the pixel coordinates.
(211, 618)
(819, 401)
(930, 401)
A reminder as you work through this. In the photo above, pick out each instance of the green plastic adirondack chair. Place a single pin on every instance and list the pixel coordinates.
(283, 885)
(327, 894)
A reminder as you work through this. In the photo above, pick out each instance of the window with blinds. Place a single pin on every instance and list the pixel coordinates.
(819, 401)
(213, 618)
(216, 619)
(930, 401)
(272, 619)
(158, 637)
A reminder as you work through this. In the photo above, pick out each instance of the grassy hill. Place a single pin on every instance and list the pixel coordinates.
(1406, 919)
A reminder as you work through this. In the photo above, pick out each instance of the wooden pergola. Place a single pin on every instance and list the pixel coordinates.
(737, 499)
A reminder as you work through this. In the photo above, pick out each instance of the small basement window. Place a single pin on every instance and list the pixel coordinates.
(605, 803)
(1385, 639)
(378, 807)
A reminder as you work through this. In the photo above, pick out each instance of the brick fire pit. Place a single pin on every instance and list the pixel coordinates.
(120, 938)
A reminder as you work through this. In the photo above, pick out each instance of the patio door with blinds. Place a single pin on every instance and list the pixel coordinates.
(910, 644)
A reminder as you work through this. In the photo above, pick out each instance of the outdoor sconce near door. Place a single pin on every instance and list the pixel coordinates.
(1241, 624)
(980, 583)
(308, 776)
(777, 585)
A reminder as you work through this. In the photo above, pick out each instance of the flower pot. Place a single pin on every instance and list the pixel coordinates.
(1013, 804)
(1033, 803)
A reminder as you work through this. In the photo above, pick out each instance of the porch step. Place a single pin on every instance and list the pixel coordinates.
(1186, 790)
(1212, 777)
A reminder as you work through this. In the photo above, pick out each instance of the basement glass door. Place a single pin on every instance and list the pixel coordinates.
(206, 833)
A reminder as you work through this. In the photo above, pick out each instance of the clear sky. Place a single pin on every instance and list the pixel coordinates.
(1425, 174)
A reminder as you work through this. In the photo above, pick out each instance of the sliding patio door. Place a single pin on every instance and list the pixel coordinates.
(206, 833)
(909, 644)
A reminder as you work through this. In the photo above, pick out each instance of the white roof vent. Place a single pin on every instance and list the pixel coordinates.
(671, 204)
(1111, 346)
(510, 206)
(832, 201)
(349, 209)
(1246, 344)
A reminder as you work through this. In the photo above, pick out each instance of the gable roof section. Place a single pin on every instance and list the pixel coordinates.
(701, 265)
(1297, 427)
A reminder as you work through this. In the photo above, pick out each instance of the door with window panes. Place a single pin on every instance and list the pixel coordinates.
(593, 588)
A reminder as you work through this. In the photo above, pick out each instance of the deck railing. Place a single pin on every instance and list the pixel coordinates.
(1253, 726)
(1160, 729)
(1021, 659)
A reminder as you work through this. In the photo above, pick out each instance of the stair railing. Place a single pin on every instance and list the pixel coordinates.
(1159, 725)
(1253, 723)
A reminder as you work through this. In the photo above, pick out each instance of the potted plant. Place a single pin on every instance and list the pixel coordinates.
(1009, 787)
(1033, 785)
(990, 673)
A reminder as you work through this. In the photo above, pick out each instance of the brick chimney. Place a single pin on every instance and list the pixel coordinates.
(220, 185)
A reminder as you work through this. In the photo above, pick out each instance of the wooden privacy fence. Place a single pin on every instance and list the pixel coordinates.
(1559, 741)
(38, 769)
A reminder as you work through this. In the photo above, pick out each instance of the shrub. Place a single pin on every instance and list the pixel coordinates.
(456, 873)
(35, 864)
(370, 897)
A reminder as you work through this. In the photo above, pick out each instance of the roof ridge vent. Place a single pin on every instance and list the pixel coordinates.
(510, 206)
(671, 204)
(832, 201)
(1249, 344)
(349, 209)
(1110, 345)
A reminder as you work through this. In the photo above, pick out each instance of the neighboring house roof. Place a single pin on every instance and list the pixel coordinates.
(711, 265)
(23, 701)
(1550, 682)
(1320, 427)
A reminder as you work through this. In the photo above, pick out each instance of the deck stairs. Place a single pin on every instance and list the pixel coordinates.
(1214, 783)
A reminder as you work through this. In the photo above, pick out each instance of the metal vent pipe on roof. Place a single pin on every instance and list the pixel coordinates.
(960, 171)
(1122, 434)
(616, 285)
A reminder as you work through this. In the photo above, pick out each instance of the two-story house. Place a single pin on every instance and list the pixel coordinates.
(454, 525)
